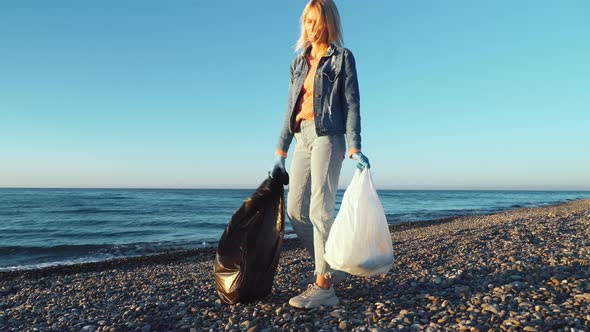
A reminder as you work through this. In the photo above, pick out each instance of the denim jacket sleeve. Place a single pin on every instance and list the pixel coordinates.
(351, 102)
(286, 136)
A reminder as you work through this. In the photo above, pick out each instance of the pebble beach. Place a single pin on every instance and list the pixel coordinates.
(519, 270)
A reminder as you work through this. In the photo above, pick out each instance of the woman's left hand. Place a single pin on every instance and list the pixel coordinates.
(362, 160)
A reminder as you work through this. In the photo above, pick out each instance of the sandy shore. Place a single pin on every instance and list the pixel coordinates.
(526, 269)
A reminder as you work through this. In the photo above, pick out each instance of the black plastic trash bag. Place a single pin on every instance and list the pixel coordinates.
(248, 251)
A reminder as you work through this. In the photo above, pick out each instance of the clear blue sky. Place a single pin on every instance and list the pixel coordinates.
(191, 94)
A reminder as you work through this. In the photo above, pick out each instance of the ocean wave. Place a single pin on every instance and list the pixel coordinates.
(59, 249)
(114, 197)
(31, 257)
(55, 263)
(96, 211)
(22, 256)
(394, 218)
(188, 223)
(106, 234)
(424, 215)
(8, 213)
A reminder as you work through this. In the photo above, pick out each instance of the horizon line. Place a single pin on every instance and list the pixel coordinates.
(254, 188)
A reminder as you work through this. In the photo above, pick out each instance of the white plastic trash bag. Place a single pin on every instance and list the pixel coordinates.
(359, 241)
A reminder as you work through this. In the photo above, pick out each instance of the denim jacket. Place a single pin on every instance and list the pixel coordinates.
(336, 104)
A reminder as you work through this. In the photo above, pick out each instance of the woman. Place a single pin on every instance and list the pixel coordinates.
(322, 108)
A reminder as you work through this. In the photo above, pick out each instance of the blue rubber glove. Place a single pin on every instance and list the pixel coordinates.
(278, 168)
(362, 160)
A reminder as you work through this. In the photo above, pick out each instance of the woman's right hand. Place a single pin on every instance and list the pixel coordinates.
(362, 160)
(278, 168)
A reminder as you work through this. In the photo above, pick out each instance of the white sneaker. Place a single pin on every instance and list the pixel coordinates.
(315, 296)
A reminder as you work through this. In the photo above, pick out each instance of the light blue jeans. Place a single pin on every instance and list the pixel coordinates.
(313, 182)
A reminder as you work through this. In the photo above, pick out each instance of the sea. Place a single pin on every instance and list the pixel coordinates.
(48, 227)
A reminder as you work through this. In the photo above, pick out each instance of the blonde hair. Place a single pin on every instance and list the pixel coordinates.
(330, 17)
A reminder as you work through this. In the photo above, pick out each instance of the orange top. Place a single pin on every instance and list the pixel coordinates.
(305, 102)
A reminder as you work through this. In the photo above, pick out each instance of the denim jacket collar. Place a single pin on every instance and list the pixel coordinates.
(329, 52)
